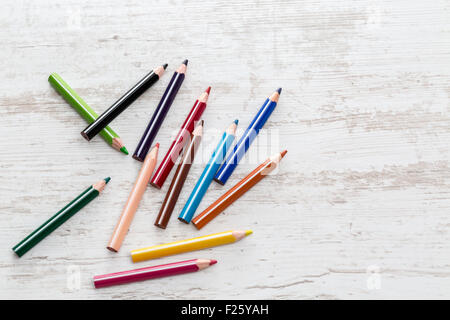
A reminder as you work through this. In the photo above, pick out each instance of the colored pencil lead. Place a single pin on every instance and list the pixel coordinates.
(124, 150)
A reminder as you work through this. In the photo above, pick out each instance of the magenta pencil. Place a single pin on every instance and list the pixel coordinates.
(162, 270)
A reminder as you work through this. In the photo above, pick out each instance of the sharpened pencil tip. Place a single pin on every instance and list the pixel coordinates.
(165, 66)
(248, 232)
(124, 150)
(279, 90)
(236, 121)
(202, 122)
(185, 62)
(208, 90)
(157, 145)
(107, 179)
(283, 153)
(212, 262)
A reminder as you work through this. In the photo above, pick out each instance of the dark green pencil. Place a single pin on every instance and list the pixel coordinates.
(60, 217)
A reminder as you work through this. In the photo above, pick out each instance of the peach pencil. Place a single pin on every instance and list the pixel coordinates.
(135, 197)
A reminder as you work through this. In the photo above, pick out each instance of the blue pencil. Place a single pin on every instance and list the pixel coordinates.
(208, 174)
(250, 134)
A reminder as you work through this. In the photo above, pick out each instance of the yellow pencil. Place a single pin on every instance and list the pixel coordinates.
(167, 249)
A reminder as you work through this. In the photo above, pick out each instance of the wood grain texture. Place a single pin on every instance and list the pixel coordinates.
(359, 207)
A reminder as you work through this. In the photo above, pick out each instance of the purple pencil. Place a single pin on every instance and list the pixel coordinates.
(160, 113)
(163, 270)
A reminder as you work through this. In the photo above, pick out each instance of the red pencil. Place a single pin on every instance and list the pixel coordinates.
(180, 141)
(163, 270)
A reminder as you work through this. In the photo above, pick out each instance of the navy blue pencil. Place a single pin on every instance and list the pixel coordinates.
(160, 113)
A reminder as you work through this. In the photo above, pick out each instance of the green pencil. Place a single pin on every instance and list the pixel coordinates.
(60, 217)
(85, 110)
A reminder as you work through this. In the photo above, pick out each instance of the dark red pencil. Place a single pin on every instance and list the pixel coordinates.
(180, 141)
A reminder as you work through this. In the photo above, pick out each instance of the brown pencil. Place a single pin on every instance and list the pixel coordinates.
(179, 178)
(238, 190)
(134, 198)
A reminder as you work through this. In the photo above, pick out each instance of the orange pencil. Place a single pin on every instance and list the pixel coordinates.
(238, 190)
(135, 197)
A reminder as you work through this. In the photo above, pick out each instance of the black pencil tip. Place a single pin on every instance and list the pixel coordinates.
(185, 62)
(165, 66)
(279, 90)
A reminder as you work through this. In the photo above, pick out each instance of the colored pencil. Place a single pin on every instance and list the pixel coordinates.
(238, 190)
(245, 141)
(208, 174)
(134, 198)
(179, 178)
(85, 110)
(124, 102)
(163, 270)
(199, 243)
(160, 112)
(180, 141)
(60, 217)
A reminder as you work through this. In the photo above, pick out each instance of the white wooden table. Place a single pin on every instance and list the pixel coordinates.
(360, 207)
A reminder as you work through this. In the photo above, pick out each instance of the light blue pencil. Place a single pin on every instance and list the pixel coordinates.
(208, 174)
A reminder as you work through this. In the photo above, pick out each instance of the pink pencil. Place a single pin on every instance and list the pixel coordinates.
(162, 270)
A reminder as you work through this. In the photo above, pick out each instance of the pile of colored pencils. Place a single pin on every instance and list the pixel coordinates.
(219, 168)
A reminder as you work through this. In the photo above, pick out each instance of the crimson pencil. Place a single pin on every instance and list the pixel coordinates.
(180, 140)
(163, 270)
